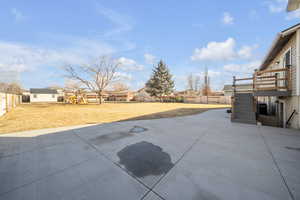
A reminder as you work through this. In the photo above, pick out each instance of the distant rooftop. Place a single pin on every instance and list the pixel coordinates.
(42, 91)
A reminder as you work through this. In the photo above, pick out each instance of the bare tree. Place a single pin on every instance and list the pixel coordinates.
(197, 85)
(13, 88)
(96, 76)
(119, 86)
(72, 85)
(190, 82)
(193, 83)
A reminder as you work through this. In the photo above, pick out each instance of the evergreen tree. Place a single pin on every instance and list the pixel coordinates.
(160, 83)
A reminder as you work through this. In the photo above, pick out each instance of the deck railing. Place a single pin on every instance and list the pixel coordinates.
(268, 80)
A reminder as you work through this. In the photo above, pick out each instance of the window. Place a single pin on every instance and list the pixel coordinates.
(53, 95)
(34, 96)
(288, 58)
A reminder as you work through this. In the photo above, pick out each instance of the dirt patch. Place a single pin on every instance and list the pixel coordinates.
(108, 138)
(143, 159)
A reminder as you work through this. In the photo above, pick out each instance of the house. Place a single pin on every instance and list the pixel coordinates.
(142, 96)
(245, 88)
(275, 99)
(120, 95)
(43, 95)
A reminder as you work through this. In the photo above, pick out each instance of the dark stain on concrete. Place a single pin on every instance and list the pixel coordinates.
(143, 159)
(205, 195)
(293, 148)
(138, 129)
(108, 138)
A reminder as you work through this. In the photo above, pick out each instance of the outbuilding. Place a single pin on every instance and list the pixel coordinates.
(43, 95)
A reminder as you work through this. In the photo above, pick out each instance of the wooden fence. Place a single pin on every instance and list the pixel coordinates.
(208, 99)
(8, 102)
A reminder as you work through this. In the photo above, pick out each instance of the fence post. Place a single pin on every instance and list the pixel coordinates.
(6, 102)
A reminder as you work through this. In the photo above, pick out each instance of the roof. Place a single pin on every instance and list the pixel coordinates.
(281, 39)
(240, 87)
(42, 91)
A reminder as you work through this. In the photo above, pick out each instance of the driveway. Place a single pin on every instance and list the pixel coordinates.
(196, 157)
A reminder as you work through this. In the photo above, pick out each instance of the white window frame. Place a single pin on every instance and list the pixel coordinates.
(283, 57)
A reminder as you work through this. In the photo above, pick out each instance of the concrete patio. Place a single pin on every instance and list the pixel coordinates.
(197, 157)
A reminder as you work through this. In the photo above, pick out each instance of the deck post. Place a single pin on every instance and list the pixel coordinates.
(254, 79)
(276, 81)
(234, 85)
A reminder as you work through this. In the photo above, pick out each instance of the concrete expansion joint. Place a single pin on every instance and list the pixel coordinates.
(276, 165)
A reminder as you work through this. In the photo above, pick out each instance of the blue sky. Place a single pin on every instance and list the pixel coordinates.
(228, 37)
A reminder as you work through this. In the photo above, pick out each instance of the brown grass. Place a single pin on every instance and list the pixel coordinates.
(39, 116)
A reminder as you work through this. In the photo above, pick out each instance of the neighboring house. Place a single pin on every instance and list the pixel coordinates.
(142, 96)
(43, 95)
(276, 84)
(92, 97)
(119, 95)
(228, 89)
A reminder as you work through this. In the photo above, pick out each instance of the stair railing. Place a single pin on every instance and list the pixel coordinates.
(290, 118)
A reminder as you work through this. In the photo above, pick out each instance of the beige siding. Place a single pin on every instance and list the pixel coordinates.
(291, 104)
(273, 65)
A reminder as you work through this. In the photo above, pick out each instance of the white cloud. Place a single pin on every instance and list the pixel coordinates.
(293, 15)
(129, 64)
(216, 51)
(276, 6)
(247, 51)
(211, 73)
(223, 51)
(122, 23)
(279, 6)
(247, 68)
(253, 14)
(22, 57)
(124, 76)
(149, 58)
(18, 15)
(227, 18)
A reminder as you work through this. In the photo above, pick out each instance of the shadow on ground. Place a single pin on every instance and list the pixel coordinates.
(171, 113)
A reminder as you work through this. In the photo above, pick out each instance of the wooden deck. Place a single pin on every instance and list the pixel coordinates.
(275, 82)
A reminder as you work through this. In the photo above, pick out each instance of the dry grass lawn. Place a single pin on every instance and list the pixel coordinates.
(39, 116)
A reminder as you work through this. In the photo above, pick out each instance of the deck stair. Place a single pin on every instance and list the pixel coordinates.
(243, 108)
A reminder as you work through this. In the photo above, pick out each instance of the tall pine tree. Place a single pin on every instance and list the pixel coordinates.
(160, 83)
